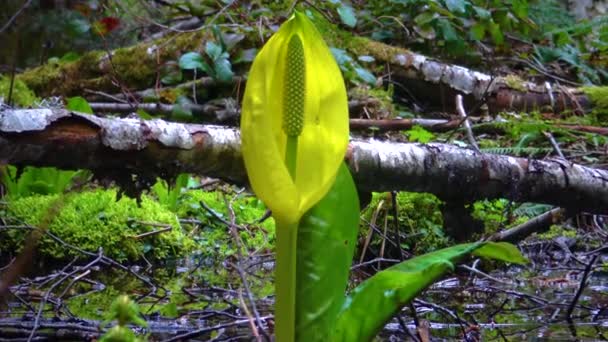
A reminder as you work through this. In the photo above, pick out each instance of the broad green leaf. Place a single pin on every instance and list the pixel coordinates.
(144, 115)
(79, 104)
(192, 61)
(496, 33)
(366, 76)
(376, 300)
(326, 243)
(457, 6)
(182, 109)
(213, 50)
(342, 57)
(502, 251)
(419, 134)
(478, 31)
(223, 69)
(447, 30)
(347, 15)
(425, 18)
(482, 13)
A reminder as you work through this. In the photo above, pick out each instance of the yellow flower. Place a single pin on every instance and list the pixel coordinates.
(294, 124)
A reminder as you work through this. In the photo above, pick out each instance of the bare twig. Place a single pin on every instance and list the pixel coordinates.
(581, 287)
(537, 224)
(10, 21)
(467, 125)
(554, 144)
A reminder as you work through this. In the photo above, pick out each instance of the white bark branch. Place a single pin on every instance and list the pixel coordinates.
(70, 140)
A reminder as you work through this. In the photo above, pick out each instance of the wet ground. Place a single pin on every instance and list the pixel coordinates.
(199, 301)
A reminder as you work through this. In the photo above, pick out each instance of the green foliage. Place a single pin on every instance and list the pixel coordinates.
(599, 97)
(94, 219)
(419, 134)
(452, 24)
(125, 311)
(502, 251)
(79, 104)
(219, 66)
(371, 304)
(22, 96)
(420, 220)
(558, 231)
(213, 240)
(326, 243)
(491, 213)
(168, 195)
(34, 180)
(578, 44)
(351, 69)
(346, 12)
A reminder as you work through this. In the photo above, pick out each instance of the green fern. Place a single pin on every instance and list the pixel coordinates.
(531, 209)
(518, 151)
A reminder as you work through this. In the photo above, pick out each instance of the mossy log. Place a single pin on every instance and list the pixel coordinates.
(64, 139)
(138, 67)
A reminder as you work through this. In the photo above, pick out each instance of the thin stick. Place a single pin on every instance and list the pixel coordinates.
(467, 125)
(581, 287)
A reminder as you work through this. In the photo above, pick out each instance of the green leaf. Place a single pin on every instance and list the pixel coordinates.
(192, 61)
(447, 30)
(419, 134)
(496, 33)
(478, 31)
(347, 15)
(171, 77)
(182, 109)
(366, 76)
(502, 251)
(223, 69)
(213, 50)
(79, 104)
(520, 8)
(482, 13)
(342, 57)
(425, 18)
(376, 300)
(326, 241)
(457, 6)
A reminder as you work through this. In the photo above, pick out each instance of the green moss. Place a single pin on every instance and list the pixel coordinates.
(515, 82)
(94, 304)
(597, 95)
(94, 219)
(599, 98)
(491, 213)
(334, 36)
(419, 219)
(22, 96)
(214, 240)
(381, 104)
(557, 231)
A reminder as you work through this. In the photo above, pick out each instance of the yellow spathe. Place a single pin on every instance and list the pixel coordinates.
(323, 139)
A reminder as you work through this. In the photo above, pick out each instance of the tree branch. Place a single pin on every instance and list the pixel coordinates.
(64, 139)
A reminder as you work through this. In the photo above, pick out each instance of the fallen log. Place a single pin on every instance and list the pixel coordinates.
(69, 140)
(139, 67)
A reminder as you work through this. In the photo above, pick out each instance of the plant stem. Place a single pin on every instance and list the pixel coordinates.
(285, 272)
(285, 282)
